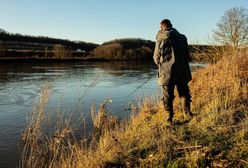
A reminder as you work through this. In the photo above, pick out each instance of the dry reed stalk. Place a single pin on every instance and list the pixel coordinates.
(31, 138)
(42, 146)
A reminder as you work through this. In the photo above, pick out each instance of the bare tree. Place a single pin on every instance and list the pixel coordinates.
(232, 28)
(60, 51)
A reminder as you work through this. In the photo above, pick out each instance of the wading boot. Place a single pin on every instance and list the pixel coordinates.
(169, 108)
(185, 104)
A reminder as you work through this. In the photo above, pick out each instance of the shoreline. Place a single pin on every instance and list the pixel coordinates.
(67, 59)
(33, 59)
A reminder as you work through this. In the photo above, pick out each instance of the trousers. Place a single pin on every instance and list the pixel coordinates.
(168, 97)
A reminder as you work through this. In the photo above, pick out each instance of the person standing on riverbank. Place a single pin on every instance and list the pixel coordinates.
(171, 55)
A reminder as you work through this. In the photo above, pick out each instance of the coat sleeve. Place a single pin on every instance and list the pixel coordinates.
(156, 55)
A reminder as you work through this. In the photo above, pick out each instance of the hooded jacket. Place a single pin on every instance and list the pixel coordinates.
(171, 55)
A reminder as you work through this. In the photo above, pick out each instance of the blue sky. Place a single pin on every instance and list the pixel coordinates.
(102, 20)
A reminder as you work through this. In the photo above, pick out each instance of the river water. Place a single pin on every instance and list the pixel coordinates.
(71, 84)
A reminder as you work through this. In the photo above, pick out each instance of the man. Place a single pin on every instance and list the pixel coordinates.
(171, 55)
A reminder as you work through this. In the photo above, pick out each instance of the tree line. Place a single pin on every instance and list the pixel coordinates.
(125, 49)
(19, 39)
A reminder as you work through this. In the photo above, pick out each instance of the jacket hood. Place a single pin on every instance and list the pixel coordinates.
(171, 33)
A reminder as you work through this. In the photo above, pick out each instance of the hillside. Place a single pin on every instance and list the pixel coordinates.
(125, 49)
(17, 45)
(217, 136)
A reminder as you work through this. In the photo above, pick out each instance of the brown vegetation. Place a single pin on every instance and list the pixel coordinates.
(117, 51)
(207, 53)
(60, 51)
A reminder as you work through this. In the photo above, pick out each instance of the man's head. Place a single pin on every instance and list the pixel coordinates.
(165, 24)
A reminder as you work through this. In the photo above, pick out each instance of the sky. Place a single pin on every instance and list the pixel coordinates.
(98, 21)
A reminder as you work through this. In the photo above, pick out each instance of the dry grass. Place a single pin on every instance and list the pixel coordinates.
(217, 136)
(47, 144)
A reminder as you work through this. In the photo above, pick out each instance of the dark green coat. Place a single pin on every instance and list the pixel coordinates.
(171, 55)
